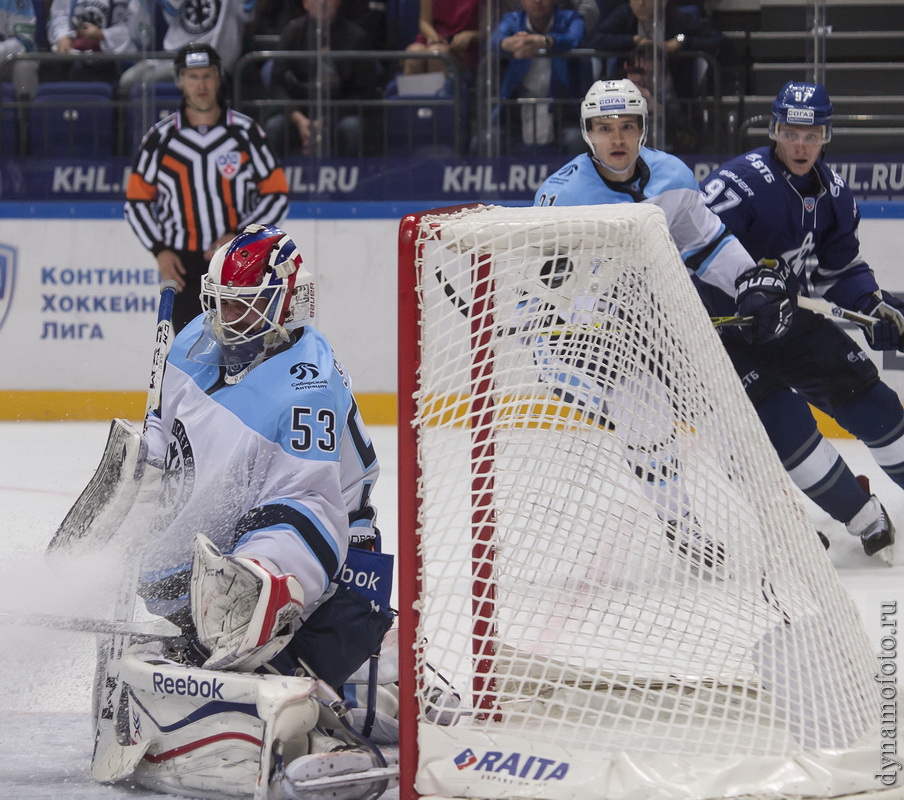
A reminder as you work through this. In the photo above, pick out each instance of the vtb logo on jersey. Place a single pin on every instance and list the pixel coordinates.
(228, 164)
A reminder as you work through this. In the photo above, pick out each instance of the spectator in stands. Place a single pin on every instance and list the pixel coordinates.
(200, 176)
(295, 82)
(274, 16)
(526, 39)
(86, 26)
(588, 9)
(631, 24)
(17, 35)
(221, 25)
(681, 135)
(445, 26)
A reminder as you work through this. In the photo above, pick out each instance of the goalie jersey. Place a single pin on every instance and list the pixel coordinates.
(706, 246)
(278, 466)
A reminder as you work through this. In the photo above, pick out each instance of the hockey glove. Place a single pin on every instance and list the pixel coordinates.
(763, 295)
(888, 332)
(243, 613)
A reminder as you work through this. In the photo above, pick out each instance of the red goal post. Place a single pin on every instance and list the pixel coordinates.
(597, 544)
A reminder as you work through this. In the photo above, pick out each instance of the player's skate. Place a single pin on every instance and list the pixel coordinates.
(344, 772)
(875, 529)
(692, 545)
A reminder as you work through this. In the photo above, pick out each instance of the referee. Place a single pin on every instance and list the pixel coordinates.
(200, 176)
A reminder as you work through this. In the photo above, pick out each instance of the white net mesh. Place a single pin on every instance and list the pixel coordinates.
(617, 574)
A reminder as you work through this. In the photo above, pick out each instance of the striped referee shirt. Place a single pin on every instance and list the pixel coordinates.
(189, 186)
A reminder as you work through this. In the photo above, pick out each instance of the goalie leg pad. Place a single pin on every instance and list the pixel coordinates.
(213, 734)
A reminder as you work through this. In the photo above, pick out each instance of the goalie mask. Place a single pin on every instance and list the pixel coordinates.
(257, 288)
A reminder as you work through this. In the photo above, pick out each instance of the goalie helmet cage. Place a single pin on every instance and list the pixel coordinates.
(598, 546)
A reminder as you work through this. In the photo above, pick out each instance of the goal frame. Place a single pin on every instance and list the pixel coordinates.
(409, 511)
(409, 582)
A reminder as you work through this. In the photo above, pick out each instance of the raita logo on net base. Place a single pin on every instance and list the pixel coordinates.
(512, 767)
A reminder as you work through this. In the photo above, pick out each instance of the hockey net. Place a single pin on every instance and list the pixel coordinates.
(598, 546)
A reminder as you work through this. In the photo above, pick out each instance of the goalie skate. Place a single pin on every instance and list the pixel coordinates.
(343, 774)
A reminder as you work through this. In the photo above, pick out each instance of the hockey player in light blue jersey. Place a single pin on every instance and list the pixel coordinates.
(264, 453)
(784, 202)
(263, 548)
(619, 169)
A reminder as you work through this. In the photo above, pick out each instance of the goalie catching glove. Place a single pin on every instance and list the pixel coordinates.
(888, 332)
(763, 294)
(244, 614)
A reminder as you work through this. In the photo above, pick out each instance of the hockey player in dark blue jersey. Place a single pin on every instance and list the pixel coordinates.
(784, 202)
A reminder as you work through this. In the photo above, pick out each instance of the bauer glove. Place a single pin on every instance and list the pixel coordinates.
(244, 614)
(763, 294)
(888, 332)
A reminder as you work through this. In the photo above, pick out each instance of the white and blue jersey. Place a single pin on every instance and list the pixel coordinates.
(278, 466)
(708, 249)
(809, 221)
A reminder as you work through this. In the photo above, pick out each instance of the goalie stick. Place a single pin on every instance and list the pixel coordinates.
(103, 504)
(151, 630)
(96, 516)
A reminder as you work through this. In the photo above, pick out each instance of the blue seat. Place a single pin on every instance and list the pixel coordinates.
(9, 122)
(148, 104)
(425, 125)
(72, 119)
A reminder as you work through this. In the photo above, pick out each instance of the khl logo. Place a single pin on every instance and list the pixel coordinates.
(533, 768)
(304, 371)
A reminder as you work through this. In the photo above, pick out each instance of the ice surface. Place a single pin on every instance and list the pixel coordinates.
(45, 733)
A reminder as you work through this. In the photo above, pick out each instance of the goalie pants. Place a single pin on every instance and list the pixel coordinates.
(336, 639)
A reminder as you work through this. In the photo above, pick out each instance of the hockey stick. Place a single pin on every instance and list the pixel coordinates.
(814, 304)
(827, 309)
(106, 758)
(728, 322)
(152, 630)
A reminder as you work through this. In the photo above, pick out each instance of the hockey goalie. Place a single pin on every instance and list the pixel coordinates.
(261, 547)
